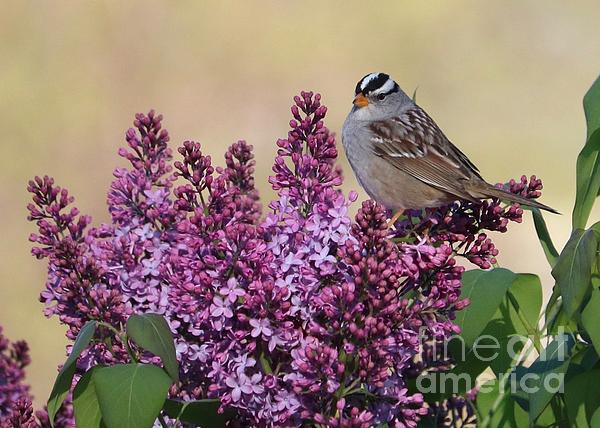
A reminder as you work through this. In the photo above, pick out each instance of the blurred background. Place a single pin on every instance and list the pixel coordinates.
(504, 79)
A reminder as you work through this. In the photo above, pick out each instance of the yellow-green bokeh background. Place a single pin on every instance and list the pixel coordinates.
(504, 79)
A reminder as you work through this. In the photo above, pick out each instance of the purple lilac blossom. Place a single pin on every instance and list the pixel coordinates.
(16, 409)
(21, 416)
(299, 317)
(63, 419)
(14, 392)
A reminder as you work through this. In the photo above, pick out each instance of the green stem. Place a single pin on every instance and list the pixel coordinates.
(555, 308)
(123, 337)
(110, 327)
(531, 330)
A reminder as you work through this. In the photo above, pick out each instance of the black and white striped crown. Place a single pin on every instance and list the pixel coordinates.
(376, 83)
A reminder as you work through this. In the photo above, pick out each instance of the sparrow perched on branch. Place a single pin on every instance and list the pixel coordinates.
(402, 158)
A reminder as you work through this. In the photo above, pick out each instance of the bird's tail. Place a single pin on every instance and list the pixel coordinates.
(507, 196)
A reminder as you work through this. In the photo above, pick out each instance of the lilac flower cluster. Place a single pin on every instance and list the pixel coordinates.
(299, 317)
(461, 225)
(13, 391)
(16, 409)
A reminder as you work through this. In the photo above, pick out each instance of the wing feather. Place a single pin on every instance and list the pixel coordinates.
(414, 144)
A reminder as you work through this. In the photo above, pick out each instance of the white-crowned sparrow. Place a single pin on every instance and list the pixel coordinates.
(402, 159)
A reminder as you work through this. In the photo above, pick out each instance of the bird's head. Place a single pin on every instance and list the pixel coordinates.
(377, 94)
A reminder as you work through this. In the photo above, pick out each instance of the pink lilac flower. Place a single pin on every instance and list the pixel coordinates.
(20, 416)
(13, 360)
(16, 409)
(300, 316)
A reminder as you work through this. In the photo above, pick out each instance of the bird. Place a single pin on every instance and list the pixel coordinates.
(402, 158)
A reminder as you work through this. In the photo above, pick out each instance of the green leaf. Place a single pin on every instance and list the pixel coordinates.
(85, 402)
(589, 358)
(588, 162)
(475, 361)
(489, 350)
(595, 420)
(544, 237)
(151, 332)
(504, 331)
(543, 374)
(591, 107)
(63, 381)
(507, 414)
(555, 316)
(485, 290)
(527, 290)
(582, 398)
(590, 317)
(520, 313)
(201, 412)
(506, 327)
(131, 395)
(573, 270)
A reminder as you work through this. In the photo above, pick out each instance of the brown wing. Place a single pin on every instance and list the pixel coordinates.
(414, 144)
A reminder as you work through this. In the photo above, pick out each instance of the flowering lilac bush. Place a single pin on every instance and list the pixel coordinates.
(14, 393)
(300, 316)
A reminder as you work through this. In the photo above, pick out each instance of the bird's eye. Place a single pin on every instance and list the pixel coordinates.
(381, 97)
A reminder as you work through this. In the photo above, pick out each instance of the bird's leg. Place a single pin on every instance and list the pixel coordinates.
(394, 218)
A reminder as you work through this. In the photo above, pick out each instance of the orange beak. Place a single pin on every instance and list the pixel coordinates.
(360, 101)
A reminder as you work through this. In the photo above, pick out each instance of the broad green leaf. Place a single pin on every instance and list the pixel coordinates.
(527, 291)
(131, 395)
(507, 414)
(545, 374)
(485, 290)
(202, 413)
(489, 350)
(582, 398)
(555, 316)
(591, 107)
(509, 339)
(476, 359)
(595, 420)
(519, 316)
(584, 359)
(588, 162)
(63, 381)
(589, 358)
(151, 332)
(85, 402)
(544, 237)
(505, 334)
(588, 181)
(573, 270)
(590, 317)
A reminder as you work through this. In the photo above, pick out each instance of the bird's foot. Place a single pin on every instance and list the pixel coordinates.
(394, 218)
